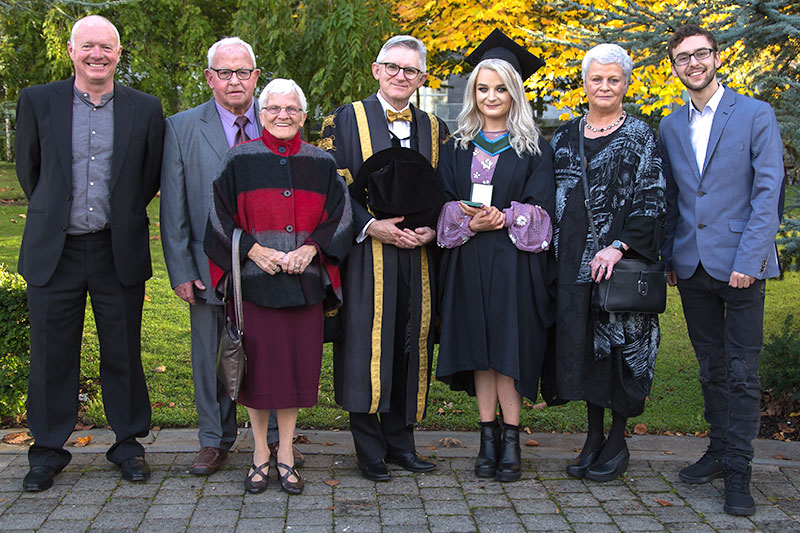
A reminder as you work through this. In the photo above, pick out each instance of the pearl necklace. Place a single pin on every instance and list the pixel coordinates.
(610, 127)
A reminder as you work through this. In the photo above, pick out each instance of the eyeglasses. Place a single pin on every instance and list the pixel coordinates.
(410, 73)
(276, 109)
(700, 54)
(226, 73)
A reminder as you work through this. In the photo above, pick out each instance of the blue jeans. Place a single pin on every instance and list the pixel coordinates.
(726, 328)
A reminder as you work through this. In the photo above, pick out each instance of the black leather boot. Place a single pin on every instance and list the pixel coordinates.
(486, 462)
(509, 465)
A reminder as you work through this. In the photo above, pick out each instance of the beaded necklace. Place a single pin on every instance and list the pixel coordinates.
(601, 130)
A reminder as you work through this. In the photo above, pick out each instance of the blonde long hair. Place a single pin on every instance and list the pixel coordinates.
(522, 129)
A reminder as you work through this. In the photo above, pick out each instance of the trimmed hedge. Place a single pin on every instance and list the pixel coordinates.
(14, 344)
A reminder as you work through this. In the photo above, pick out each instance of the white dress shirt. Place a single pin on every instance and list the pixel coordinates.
(700, 126)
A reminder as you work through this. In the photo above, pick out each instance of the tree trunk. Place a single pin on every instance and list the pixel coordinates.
(9, 147)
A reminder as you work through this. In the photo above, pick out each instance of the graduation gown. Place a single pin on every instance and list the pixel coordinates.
(497, 302)
(364, 352)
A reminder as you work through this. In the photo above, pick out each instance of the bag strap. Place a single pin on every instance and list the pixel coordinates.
(237, 280)
(586, 200)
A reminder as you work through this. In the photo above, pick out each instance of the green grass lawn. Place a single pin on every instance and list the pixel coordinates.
(675, 403)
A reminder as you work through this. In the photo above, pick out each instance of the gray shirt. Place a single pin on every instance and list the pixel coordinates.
(92, 150)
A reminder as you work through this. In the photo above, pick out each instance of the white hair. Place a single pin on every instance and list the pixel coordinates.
(606, 54)
(282, 86)
(79, 23)
(229, 41)
(406, 41)
(522, 129)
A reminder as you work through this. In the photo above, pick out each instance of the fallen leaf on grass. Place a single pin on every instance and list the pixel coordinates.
(640, 429)
(667, 452)
(628, 435)
(527, 404)
(701, 434)
(792, 415)
(300, 438)
(663, 503)
(82, 442)
(146, 298)
(79, 426)
(332, 482)
(160, 369)
(669, 434)
(540, 405)
(19, 437)
(780, 457)
(440, 410)
(13, 221)
(171, 404)
(451, 442)
(23, 215)
(531, 442)
(156, 428)
(156, 405)
(527, 430)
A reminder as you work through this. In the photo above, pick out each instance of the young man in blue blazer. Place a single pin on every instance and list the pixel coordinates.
(724, 167)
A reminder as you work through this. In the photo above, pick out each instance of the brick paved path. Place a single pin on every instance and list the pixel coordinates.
(89, 494)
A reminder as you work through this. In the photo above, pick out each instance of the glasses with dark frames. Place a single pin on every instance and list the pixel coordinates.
(410, 73)
(700, 54)
(226, 73)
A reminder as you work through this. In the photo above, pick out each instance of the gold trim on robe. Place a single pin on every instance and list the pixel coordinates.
(377, 322)
(424, 327)
(345, 173)
(434, 140)
(363, 130)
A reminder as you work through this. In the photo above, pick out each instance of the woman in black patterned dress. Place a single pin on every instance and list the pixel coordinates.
(605, 359)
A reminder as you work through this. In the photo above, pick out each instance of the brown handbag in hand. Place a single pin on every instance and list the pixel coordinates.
(231, 359)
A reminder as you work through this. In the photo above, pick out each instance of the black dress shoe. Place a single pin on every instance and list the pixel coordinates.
(509, 464)
(374, 470)
(257, 487)
(611, 468)
(135, 469)
(413, 462)
(486, 462)
(579, 467)
(708, 468)
(291, 487)
(39, 478)
(738, 500)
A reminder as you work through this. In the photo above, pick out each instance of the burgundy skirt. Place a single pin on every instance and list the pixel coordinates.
(284, 356)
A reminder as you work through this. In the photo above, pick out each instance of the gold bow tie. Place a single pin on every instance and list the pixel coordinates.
(402, 115)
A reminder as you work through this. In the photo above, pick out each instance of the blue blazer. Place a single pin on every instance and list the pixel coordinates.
(726, 218)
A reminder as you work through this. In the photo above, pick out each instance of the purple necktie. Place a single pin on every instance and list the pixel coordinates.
(241, 135)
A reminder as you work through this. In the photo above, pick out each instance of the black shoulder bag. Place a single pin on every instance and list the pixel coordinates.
(635, 285)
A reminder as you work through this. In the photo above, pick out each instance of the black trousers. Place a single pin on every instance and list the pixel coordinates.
(377, 436)
(56, 318)
(726, 329)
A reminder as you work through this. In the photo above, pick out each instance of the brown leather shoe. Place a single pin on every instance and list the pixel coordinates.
(208, 461)
(298, 457)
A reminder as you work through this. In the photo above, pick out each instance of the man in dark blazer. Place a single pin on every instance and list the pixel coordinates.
(88, 158)
(195, 142)
(724, 168)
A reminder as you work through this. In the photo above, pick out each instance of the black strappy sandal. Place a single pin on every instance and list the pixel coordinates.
(256, 487)
(292, 487)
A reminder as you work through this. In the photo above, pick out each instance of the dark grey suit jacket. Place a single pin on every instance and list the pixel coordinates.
(194, 145)
(44, 169)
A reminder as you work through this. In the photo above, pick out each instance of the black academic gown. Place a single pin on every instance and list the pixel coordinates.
(365, 352)
(496, 301)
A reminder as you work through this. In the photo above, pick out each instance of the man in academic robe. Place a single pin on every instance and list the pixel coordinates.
(383, 357)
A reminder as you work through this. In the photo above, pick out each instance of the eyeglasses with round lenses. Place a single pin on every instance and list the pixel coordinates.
(700, 54)
(410, 73)
(276, 109)
(241, 73)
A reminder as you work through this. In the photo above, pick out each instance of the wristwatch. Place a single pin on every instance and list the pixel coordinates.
(617, 245)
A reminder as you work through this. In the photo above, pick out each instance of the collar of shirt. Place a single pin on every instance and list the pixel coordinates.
(711, 106)
(401, 128)
(86, 99)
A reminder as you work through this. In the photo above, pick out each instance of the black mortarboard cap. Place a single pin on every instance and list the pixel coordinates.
(498, 45)
(399, 182)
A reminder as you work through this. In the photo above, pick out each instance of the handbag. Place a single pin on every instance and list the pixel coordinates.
(231, 359)
(635, 285)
